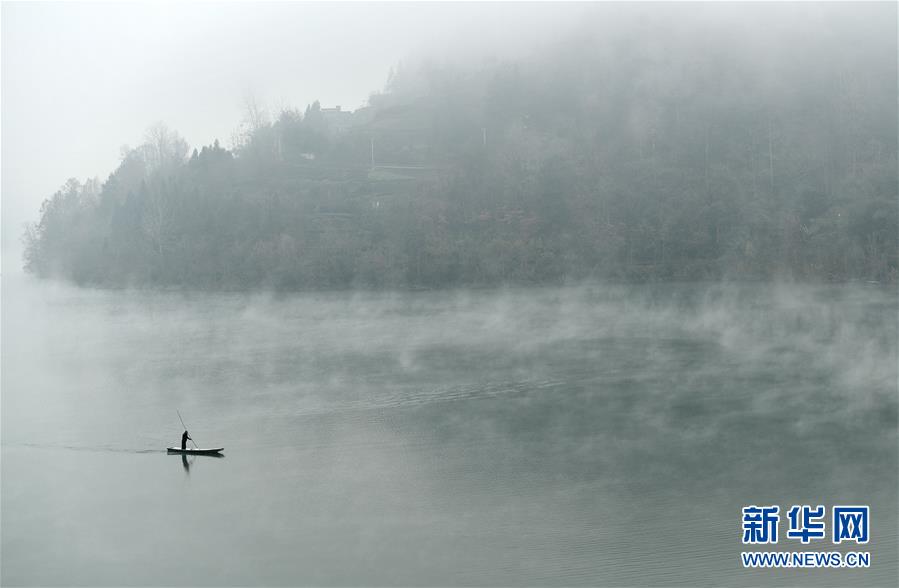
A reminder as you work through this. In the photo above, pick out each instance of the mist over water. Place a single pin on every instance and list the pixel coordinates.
(593, 434)
(472, 294)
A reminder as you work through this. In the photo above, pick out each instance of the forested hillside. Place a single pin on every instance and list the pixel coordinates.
(715, 151)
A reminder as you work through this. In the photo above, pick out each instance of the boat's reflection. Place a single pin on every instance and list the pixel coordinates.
(187, 464)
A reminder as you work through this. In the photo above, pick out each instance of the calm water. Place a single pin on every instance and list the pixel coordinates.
(592, 435)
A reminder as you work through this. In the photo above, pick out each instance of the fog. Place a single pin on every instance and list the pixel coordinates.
(545, 436)
(479, 145)
(80, 80)
(555, 293)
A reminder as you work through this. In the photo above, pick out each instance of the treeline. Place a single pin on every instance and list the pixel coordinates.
(659, 148)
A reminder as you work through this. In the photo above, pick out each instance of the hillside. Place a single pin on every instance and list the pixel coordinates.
(732, 155)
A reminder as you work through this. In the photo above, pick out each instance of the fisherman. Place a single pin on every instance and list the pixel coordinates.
(184, 439)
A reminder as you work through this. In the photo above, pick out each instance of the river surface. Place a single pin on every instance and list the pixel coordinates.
(591, 435)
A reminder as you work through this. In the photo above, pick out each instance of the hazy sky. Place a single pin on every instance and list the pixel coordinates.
(79, 80)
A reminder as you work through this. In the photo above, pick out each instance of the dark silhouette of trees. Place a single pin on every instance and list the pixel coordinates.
(659, 150)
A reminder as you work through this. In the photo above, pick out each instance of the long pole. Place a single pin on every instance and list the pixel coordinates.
(185, 427)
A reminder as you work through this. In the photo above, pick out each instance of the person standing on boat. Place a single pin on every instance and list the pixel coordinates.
(184, 439)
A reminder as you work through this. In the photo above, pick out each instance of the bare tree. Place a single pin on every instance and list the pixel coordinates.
(157, 218)
(163, 148)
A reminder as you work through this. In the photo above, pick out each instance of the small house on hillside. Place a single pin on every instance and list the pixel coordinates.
(337, 119)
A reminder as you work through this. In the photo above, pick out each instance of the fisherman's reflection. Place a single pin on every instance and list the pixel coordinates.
(185, 463)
